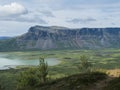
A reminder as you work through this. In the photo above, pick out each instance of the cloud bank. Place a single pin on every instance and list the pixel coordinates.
(19, 15)
(12, 9)
(17, 12)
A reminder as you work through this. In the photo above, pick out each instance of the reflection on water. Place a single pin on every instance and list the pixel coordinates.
(6, 63)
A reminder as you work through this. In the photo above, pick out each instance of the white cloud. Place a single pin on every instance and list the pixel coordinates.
(79, 20)
(12, 9)
(21, 14)
(17, 12)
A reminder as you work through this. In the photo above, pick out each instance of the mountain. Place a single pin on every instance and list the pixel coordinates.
(54, 37)
(4, 38)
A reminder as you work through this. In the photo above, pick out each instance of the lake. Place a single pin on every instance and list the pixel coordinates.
(6, 63)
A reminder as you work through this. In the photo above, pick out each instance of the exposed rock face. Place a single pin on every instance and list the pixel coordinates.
(39, 37)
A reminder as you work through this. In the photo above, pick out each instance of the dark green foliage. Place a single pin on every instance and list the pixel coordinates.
(34, 76)
(75, 82)
(8, 79)
(113, 84)
(107, 59)
(8, 45)
(0, 86)
(88, 78)
(85, 65)
(42, 70)
(27, 79)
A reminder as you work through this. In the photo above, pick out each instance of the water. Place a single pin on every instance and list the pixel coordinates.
(6, 63)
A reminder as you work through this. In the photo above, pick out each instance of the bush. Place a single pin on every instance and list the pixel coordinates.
(33, 76)
(27, 79)
(42, 71)
(85, 65)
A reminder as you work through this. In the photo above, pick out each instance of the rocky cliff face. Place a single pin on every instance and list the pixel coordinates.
(39, 37)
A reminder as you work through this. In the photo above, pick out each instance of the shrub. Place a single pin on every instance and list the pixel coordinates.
(33, 76)
(42, 70)
(27, 79)
(85, 65)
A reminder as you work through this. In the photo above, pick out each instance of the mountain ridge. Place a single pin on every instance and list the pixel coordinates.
(4, 37)
(54, 37)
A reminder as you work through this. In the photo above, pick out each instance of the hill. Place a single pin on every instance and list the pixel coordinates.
(4, 38)
(54, 37)
(84, 81)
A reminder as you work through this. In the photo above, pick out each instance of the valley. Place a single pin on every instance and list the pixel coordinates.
(55, 53)
(59, 45)
(103, 60)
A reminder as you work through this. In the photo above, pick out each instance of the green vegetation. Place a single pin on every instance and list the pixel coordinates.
(100, 59)
(74, 82)
(27, 79)
(85, 65)
(42, 70)
(8, 78)
(105, 59)
(113, 84)
(34, 76)
(9, 44)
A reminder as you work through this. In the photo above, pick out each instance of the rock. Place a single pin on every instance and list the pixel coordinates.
(53, 37)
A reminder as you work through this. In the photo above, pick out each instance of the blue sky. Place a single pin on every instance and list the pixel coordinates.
(16, 16)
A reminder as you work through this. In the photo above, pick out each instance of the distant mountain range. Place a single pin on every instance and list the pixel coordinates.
(4, 38)
(54, 37)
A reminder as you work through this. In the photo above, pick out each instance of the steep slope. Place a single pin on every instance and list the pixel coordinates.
(83, 81)
(40, 37)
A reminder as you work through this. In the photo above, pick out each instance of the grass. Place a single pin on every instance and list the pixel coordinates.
(74, 82)
(101, 59)
(113, 84)
(8, 79)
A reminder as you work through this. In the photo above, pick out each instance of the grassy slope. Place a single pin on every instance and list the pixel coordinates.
(87, 81)
(8, 45)
(105, 59)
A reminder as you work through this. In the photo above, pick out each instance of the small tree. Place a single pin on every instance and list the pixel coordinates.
(85, 65)
(42, 70)
(33, 76)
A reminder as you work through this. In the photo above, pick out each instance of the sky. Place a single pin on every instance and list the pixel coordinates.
(17, 16)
